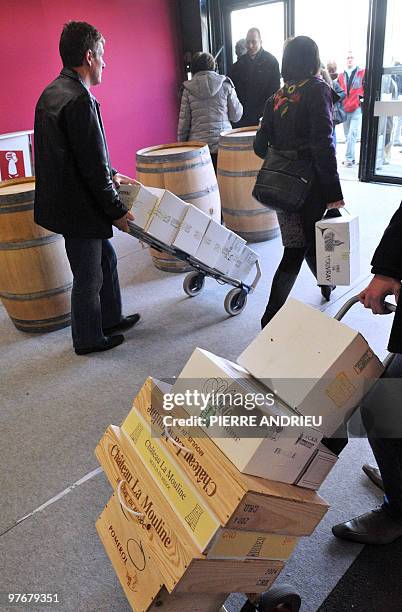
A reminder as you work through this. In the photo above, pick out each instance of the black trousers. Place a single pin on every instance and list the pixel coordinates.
(382, 418)
(95, 297)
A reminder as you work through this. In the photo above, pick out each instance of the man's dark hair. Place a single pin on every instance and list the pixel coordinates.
(202, 61)
(301, 59)
(76, 39)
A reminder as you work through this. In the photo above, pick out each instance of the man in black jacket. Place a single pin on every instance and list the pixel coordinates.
(76, 191)
(256, 77)
(381, 411)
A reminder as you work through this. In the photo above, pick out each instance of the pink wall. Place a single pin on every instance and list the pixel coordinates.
(138, 94)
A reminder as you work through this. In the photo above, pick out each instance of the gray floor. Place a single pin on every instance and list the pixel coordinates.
(56, 405)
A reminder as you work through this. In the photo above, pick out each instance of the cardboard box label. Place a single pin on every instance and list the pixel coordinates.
(341, 390)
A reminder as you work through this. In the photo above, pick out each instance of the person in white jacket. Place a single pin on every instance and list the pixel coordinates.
(209, 103)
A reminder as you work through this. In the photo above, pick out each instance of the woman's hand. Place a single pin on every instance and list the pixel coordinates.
(337, 204)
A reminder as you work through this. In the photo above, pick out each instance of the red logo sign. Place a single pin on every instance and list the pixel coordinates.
(11, 164)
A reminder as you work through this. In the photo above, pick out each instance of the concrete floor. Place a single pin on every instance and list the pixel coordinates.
(56, 405)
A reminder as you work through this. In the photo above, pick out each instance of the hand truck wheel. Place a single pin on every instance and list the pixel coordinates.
(283, 595)
(235, 301)
(193, 283)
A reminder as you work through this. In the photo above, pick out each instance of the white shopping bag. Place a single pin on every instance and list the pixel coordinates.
(338, 250)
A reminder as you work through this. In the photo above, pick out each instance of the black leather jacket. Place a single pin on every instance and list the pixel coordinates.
(255, 81)
(74, 195)
(387, 260)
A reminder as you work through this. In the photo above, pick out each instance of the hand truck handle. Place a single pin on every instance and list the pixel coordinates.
(257, 276)
(354, 300)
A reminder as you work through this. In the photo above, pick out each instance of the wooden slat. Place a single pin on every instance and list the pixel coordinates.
(169, 541)
(240, 501)
(128, 550)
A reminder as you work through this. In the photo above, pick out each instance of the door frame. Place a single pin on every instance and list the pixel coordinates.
(227, 6)
(372, 93)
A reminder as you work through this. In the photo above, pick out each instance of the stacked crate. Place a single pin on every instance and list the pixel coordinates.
(183, 520)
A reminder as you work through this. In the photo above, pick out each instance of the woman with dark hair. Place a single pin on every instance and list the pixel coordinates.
(209, 103)
(298, 117)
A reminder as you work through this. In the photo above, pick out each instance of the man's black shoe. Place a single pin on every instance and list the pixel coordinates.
(108, 343)
(375, 527)
(374, 474)
(124, 324)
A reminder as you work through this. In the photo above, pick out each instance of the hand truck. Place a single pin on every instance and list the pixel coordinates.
(236, 298)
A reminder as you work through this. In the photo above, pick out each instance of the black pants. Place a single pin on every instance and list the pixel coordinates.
(285, 277)
(382, 417)
(214, 157)
(95, 297)
(292, 259)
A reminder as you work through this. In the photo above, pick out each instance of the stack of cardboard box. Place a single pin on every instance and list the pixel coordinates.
(164, 216)
(210, 509)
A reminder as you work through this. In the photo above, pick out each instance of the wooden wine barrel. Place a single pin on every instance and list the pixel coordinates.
(185, 169)
(238, 167)
(35, 276)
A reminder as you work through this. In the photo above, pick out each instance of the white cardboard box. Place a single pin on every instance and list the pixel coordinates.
(280, 454)
(166, 216)
(191, 230)
(230, 253)
(140, 201)
(338, 254)
(315, 364)
(212, 243)
(318, 469)
(244, 263)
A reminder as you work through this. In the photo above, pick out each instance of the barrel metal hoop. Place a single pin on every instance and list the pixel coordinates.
(9, 207)
(243, 146)
(152, 159)
(25, 297)
(198, 194)
(260, 236)
(43, 325)
(28, 244)
(237, 174)
(175, 169)
(246, 212)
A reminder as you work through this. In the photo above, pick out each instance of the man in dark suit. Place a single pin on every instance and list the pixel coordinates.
(76, 189)
(256, 77)
(381, 410)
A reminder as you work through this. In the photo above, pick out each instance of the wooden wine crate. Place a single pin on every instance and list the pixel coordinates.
(194, 510)
(239, 501)
(178, 558)
(138, 575)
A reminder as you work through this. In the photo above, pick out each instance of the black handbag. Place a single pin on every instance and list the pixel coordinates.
(284, 180)
(339, 114)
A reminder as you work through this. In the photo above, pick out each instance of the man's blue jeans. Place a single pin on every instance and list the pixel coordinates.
(351, 128)
(95, 297)
(382, 418)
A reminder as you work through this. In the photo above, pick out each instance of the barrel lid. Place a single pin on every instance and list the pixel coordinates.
(172, 152)
(9, 188)
(245, 134)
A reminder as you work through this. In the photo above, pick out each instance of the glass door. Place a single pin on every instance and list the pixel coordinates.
(382, 157)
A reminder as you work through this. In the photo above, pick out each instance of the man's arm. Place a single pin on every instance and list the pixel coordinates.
(89, 149)
(386, 267)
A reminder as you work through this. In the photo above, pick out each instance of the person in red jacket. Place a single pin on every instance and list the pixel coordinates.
(352, 83)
